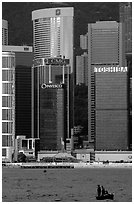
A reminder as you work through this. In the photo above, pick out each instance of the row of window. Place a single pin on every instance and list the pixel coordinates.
(7, 141)
(8, 75)
(8, 88)
(4, 36)
(7, 127)
(8, 62)
(4, 152)
(8, 101)
(41, 33)
(27, 144)
(7, 114)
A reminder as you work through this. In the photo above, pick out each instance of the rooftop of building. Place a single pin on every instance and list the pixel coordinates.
(52, 12)
(12, 48)
(4, 23)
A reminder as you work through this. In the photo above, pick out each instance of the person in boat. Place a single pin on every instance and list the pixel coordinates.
(103, 191)
(99, 191)
(106, 192)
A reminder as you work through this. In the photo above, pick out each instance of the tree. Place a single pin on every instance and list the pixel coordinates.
(21, 157)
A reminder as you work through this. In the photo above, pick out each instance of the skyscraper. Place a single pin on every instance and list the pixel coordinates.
(52, 117)
(84, 42)
(107, 86)
(53, 33)
(53, 40)
(51, 105)
(23, 90)
(4, 32)
(125, 17)
(8, 105)
(82, 69)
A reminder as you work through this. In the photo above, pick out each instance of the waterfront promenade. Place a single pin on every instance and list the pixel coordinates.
(67, 165)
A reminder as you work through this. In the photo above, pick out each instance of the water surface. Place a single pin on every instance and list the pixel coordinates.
(65, 185)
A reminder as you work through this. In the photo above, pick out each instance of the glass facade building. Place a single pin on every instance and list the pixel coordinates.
(23, 79)
(53, 33)
(107, 89)
(4, 32)
(82, 69)
(51, 105)
(8, 104)
(23, 88)
(52, 118)
(52, 38)
(125, 17)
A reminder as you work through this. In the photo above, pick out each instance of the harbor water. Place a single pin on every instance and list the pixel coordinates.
(65, 185)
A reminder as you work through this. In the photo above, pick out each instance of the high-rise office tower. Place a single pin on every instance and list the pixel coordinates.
(82, 69)
(51, 105)
(8, 105)
(53, 38)
(23, 90)
(53, 117)
(84, 42)
(107, 86)
(53, 33)
(4, 32)
(125, 17)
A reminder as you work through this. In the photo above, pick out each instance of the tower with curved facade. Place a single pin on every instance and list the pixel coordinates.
(53, 41)
(53, 33)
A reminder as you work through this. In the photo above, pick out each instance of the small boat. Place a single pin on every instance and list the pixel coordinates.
(58, 199)
(106, 196)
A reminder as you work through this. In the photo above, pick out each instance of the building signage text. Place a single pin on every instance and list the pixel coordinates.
(51, 61)
(110, 69)
(53, 86)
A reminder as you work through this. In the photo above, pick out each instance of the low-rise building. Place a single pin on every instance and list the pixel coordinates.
(28, 146)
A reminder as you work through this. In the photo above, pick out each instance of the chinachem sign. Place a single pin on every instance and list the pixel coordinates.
(53, 86)
(51, 61)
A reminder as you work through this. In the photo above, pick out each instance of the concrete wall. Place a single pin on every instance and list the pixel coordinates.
(83, 157)
(9, 152)
(113, 156)
(42, 154)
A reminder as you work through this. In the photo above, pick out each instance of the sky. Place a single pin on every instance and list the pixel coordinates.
(18, 15)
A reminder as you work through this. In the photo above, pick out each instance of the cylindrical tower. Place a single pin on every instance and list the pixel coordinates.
(4, 32)
(8, 104)
(53, 33)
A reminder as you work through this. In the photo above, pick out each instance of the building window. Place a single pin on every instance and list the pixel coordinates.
(6, 114)
(4, 152)
(7, 141)
(30, 144)
(8, 62)
(26, 48)
(24, 143)
(7, 88)
(7, 75)
(7, 127)
(6, 101)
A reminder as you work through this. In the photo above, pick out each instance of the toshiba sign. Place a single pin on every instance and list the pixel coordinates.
(53, 86)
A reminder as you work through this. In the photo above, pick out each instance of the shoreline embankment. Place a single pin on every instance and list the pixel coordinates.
(67, 165)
